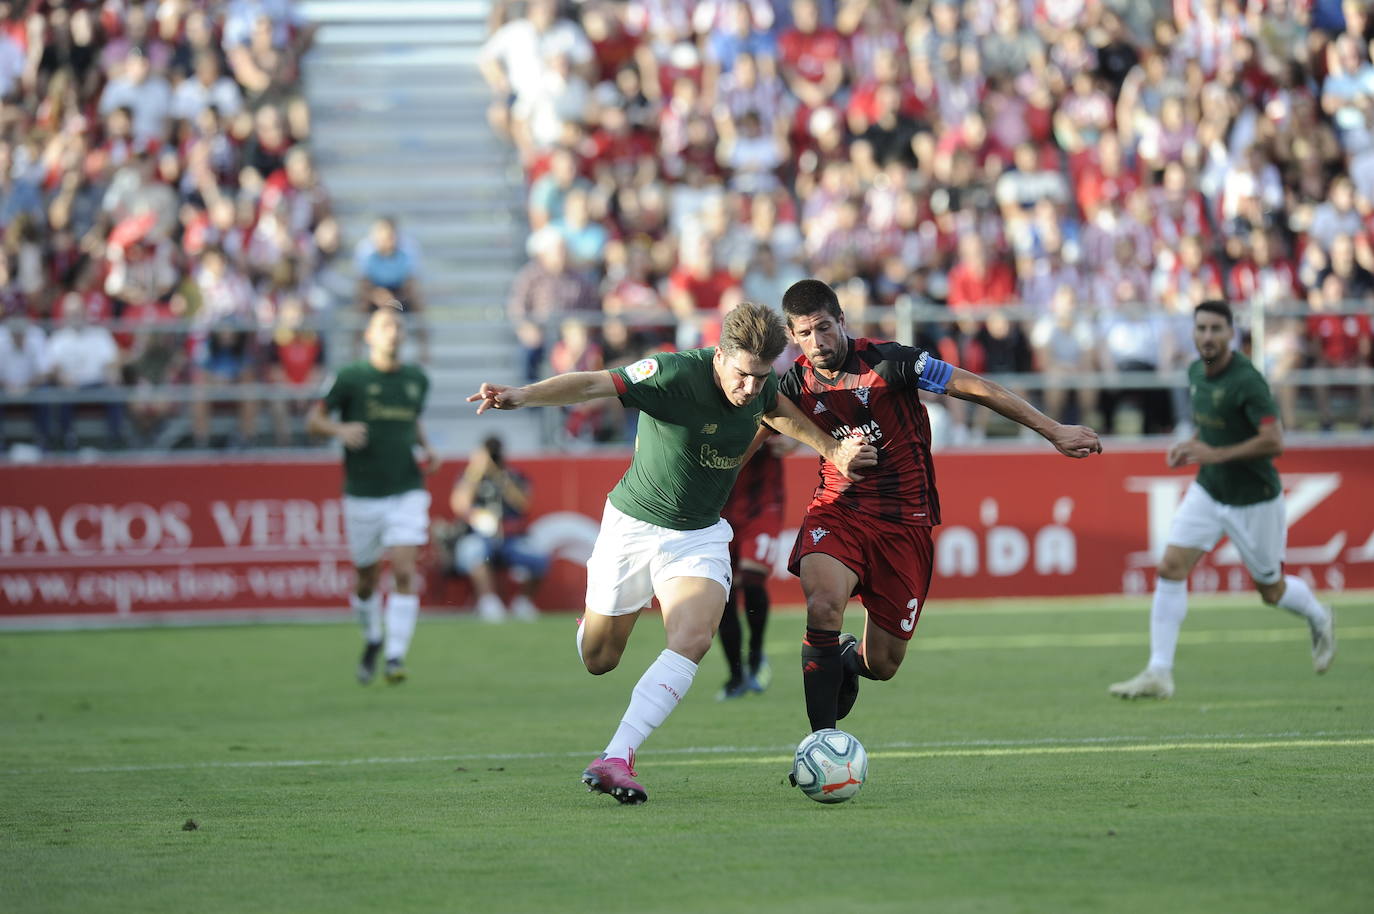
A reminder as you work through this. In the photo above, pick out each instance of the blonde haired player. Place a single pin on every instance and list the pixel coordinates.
(661, 533)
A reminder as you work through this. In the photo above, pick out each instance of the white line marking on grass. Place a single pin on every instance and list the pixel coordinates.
(1055, 750)
(898, 749)
(1126, 639)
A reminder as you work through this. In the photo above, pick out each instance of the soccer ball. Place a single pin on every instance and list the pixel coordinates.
(830, 766)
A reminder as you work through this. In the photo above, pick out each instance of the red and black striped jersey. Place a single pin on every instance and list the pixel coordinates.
(758, 488)
(874, 394)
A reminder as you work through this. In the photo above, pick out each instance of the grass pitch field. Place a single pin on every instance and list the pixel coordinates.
(1002, 776)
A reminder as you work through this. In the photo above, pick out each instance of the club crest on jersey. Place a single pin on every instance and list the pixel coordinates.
(862, 394)
(820, 408)
(413, 391)
(709, 428)
(642, 370)
(818, 534)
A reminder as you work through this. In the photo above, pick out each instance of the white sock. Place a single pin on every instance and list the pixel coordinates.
(581, 629)
(369, 615)
(1167, 611)
(1298, 598)
(655, 696)
(402, 611)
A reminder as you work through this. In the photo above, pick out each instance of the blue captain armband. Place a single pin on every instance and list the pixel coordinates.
(932, 374)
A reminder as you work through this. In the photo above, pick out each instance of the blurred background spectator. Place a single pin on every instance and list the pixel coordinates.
(155, 179)
(1099, 167)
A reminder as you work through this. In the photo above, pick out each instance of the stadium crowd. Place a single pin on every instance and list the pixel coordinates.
(1100, 166)
(160, 215)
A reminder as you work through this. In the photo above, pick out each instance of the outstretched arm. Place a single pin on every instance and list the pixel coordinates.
(1070, 440)
(560, 390)
(848, 455)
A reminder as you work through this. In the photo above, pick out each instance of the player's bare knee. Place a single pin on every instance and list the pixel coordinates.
(1271, 593)
(1171, 571)
(600, 663)
(692, 644)
(825, 612)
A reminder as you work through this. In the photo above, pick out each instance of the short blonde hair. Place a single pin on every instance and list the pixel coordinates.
(755, 329)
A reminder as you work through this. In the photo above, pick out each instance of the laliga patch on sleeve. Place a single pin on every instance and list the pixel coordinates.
(642, 370)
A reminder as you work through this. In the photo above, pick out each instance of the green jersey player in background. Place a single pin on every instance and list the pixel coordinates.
(386, 505)
(661, 532)
(1237, 494)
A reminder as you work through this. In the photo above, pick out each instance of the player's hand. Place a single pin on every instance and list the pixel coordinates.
(1190, 451)
(497, 396)
(1075, 440)
(854, 453)
(353, 435)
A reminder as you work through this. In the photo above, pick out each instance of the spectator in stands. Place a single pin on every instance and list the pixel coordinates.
(977, 280)
(206, 87)
(84, 358)
(1066, 351)
(388, 269)
(699, 293)
(544, 291)
(295, 360)
(514, 59)
(23, 367)
(1341, 341)
(584, 240)
(492, 499)
(146, 95)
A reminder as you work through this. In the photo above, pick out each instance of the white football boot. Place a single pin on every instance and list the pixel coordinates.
(1324, 641)
(1151, 683)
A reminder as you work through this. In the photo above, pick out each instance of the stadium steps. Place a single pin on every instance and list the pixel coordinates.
(398, 113)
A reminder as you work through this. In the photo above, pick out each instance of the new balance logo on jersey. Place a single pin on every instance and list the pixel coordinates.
(820, 408)
(818, 534)
(862, 394)
(709, 428)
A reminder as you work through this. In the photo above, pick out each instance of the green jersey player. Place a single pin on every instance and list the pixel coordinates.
(386, 506)
(1236, 494)
(661, 532)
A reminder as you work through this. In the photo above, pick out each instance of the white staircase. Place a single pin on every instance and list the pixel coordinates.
(399, 129)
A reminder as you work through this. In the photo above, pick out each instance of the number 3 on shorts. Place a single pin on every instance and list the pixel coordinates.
(909, 622)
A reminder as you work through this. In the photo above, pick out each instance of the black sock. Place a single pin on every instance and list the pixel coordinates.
(730, 639)
(854, 662)
(756, 614)
(822, 672)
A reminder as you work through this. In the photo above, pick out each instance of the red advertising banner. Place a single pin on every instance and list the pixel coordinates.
(123, 539)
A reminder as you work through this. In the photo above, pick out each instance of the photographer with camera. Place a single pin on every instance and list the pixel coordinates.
(493, 500)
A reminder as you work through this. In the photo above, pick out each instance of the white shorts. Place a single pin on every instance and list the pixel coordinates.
(632, 557)
(1258, 531)
(375, 524)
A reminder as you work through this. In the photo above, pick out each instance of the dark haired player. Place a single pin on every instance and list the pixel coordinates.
(1237, 494)
(873, 537)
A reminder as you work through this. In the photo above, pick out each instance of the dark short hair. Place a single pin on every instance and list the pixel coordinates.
(1216, 306)
(807, 296)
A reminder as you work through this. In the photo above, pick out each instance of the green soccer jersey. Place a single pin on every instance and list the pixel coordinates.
(1228, 409)
(390, 403)
(691, 439)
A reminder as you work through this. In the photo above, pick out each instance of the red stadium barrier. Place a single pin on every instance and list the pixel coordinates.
(123, 539)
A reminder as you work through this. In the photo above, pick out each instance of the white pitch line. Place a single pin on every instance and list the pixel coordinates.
(899, 749)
